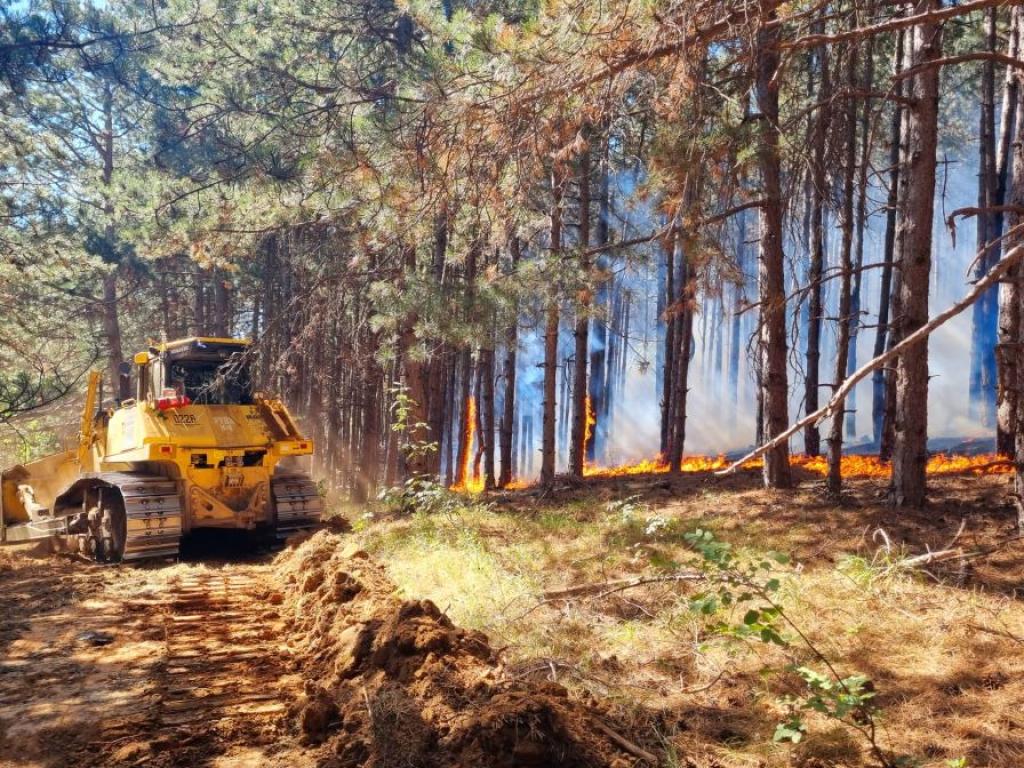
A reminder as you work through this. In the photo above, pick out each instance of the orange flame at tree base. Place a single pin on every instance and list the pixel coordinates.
(851, 466)
(470, 482)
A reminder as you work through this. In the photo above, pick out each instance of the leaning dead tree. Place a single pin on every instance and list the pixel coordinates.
(834, 407)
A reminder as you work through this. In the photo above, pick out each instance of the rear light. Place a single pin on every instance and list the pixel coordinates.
(171, 399)
(167, 449)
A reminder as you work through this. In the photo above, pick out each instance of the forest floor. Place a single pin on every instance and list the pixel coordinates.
(545, 650)
(942, 643)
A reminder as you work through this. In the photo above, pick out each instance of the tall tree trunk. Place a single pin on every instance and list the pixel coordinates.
(508, 414)
(112, 330)
(819, 182)
(417, 436)
(467, 414)
(910, 454)
(668, 372)
(883, 336)
(111, 319)
(834, 480)
(683, 315)
(771, 267)
(486, 431)
(547, 450)
(581, 333)
(598, 381)
(868, 83)
(983, 316)
(739, 297)
(1011, 350)
(371, 379)
(1007, 357)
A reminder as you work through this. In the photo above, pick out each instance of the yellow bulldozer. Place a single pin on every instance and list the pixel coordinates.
(188, 444)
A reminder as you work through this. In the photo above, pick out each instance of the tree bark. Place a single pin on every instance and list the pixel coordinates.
(547, 457)
(111, 319)
(834, 481)
(112, 330)
(581, 333)
(598, 381)
(1009, 314)
(417, 462)
(910, 454)
(775, 387)
(668, 372)
(737, 306)
(867, 85)
(878, 378)
(819, 181)
(486, 431)
(981, 387)
(683, 314)
(508, 414)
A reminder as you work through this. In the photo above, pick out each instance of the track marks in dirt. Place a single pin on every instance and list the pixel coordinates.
(179, 665)
(224, 656)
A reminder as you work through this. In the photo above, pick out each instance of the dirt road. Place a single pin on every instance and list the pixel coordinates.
(163, 665)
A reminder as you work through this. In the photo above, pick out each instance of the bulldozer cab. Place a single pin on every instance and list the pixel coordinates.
(196, 371)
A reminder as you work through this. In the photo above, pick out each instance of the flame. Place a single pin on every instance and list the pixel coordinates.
(659, 466)
(471, 483)
(852, 466)
(591, 421)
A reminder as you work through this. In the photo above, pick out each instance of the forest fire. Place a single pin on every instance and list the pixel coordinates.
(591, 421)
(853, 466)
(470, 481)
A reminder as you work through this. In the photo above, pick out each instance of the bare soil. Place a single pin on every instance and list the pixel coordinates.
(308, 659)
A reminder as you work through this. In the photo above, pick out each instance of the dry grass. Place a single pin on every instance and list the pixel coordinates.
(945, 650)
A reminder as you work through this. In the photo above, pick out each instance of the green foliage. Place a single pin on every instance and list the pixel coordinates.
(422, 495)
(744, 596)
(847, 700)
(403, 409)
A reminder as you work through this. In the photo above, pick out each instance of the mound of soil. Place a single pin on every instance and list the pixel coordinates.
(395, 683)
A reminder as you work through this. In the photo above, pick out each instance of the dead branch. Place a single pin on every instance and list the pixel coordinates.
(966, 213)
(627, 745)
(922, 333)
(997, 632)
(944, 555)
(605, 588)
(998, 58)
(891, 25)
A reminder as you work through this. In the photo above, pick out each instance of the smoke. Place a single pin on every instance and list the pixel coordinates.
(722, 396)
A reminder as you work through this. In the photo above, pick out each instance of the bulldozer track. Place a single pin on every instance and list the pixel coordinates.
(152, 507)
(224, 658)
(297, 503)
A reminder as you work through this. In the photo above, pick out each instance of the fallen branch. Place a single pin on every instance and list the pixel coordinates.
(943, 555)
(930, 557)
(627, 745)
(997, 632)
(605, 588)
(922, 333)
